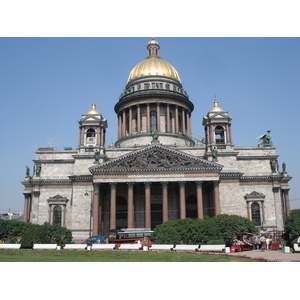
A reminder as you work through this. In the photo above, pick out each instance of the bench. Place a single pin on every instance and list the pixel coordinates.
(212, 248)
(75, 247)
(130, 247)
(186, 248)
(103, 246)
(44, 246)
(296, 248)
(10, 246)
(161, 247)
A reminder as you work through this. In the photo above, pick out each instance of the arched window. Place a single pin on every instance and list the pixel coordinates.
(57, 215)
(255, 212)
(153, 120)
(91, 133)
(219, 135)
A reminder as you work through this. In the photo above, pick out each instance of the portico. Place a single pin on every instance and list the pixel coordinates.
(159, 185)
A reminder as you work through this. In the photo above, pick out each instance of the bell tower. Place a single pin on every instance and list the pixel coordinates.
(92, 129)
(217, 125)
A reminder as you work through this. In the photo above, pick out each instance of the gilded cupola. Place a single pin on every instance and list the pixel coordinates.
(153, 65)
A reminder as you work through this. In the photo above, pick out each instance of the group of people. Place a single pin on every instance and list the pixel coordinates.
(261, 242)
(258, 242)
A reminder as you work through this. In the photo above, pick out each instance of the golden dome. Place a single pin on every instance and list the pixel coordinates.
(153, 65)
(93, 111)
(216, 107)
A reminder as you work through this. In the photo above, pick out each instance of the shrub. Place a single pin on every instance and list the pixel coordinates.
(215, 242)
(219, 229)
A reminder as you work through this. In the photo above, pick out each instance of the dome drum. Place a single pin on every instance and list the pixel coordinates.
(152, 85)
(167, 139)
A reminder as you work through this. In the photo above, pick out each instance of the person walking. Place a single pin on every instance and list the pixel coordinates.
(263, 243)
(283, 242)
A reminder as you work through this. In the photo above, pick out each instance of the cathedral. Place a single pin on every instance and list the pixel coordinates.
(157, 170)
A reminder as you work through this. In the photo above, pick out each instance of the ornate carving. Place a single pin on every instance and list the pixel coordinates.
(156, 159)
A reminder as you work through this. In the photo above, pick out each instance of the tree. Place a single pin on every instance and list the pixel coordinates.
(224, 226)
(292, 224)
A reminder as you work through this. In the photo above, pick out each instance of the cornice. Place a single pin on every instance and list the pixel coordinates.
(54, 161)
(262, 157)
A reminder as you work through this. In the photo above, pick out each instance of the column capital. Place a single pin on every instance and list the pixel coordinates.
(182, 184)
(164, 185)
(130, 185)
(147, 185)
(275, 189)
(286, 191)
(199, 184)
(113, 186)
(216, 184)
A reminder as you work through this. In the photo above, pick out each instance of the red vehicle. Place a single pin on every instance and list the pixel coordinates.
(130, 236)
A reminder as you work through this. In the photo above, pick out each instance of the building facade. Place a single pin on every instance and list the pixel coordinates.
(157, 170)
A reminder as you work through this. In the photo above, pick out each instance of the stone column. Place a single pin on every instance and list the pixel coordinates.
(182, 200)
(96, 210)
(124, 124)
(217, 198)
(158, 117)
(287, 202)
(165, 201)
(262, 210)
(26, 207)
(130, 206)
(130, 120)
(176, 120)
(120, 127)
(113, 204)
(138, 121)
(278, 208)
(98, 136)
(147, 205)
(148, 117)
(199, 200)
(183, 120)
(188, 122)
(168, 118)
(248, 210)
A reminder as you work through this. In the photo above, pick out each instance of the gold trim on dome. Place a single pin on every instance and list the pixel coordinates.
(216, 107)
(93, 111)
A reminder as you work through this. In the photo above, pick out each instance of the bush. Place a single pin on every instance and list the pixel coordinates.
(218, 229)
(45, 234)
(215, 242)
(28, 234)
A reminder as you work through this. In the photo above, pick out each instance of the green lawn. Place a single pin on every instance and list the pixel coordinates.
(110, 256)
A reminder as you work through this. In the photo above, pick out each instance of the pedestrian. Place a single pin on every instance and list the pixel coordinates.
(298, 241)
(263, 243)
(257, 243)
(267, 242)
(283, 242)
(253, 242)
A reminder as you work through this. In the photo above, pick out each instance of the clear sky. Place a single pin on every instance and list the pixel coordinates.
(46, 84)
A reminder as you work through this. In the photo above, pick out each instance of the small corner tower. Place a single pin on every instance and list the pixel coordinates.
(92, 129)
(217, 125)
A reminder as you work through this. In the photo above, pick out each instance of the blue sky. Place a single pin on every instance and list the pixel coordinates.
(46, 84)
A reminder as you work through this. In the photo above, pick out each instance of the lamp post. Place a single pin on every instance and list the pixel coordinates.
(91, 209)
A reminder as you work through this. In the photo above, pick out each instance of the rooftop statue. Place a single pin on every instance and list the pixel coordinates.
(266, 140)
(154, 134)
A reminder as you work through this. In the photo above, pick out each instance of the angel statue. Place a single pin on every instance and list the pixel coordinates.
(266, 140)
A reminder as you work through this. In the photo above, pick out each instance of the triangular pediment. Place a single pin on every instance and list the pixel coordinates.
(91, 118)
(157, 158)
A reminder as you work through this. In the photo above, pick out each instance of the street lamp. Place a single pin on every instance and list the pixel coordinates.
(91, 209)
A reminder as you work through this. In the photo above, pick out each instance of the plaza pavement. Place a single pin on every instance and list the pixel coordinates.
(270, 255)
